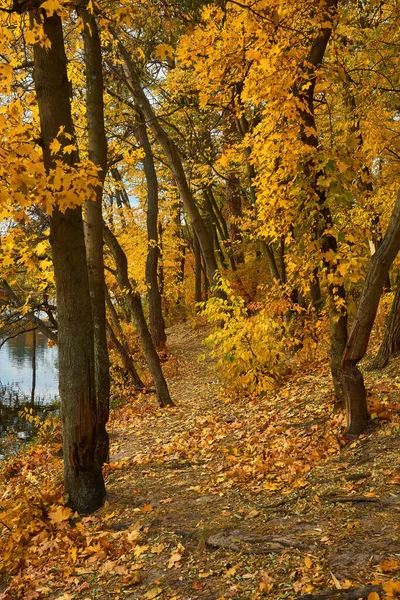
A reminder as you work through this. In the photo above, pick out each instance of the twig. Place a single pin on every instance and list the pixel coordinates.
(350, 594)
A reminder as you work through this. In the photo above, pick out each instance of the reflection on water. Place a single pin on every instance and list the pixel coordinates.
(17, 378)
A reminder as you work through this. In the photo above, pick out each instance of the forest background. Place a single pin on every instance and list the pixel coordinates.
(236, 162)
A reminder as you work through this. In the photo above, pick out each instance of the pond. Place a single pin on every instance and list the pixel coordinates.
(22, 385)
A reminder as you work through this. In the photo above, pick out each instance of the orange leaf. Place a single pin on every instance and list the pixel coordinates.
(60, 514)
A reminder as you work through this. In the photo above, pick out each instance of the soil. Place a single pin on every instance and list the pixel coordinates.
(233, 537)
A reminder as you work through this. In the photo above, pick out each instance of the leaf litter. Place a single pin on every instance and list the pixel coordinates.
(220, 497)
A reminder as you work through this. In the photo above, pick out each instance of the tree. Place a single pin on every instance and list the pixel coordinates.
(356, 347)
(83, 478)
(391, 340)
(93, 221)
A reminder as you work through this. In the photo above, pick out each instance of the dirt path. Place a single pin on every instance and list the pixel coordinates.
(191, 486)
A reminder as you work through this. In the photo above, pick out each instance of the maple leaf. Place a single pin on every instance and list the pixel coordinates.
(51, 6)
(176, 557)
(164, 50)
(60, 514)
(55, 146)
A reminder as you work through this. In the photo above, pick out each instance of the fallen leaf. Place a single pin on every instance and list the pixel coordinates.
(60, 514)
(153, 593)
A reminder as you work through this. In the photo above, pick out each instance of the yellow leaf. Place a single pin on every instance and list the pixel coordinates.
(109, 516)
(153, 593)
(51, 6)
(308, 562)
(157, 548)
(55, 146)
(373, 596)
(60, 514)
(392, 588)
(69, 149)
(163, 51)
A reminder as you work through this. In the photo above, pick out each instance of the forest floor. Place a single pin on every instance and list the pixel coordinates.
(231, 497)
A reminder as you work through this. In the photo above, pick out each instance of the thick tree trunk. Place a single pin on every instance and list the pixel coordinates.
(356, 347)
(82, 472)
(157, 325)
(93, 224)
(136, 309)
(391, 340)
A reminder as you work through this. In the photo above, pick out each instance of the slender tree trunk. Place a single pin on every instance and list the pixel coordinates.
(82, 472)
(33, 387)
(93, 224)
(136, 309)
(356, 347)
(175, 163)
(157, 325)
(197, 268)
(309, 136)
(391, 340)
(30, 315)
(129, 366)
(217, 231)
(121, 345)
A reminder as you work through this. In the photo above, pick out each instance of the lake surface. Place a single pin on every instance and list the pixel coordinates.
(16, 380)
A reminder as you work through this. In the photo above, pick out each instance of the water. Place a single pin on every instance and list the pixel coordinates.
(18, 387)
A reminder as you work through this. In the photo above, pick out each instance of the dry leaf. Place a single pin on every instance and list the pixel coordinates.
(308, 562)
(153, 593)
(60, 514)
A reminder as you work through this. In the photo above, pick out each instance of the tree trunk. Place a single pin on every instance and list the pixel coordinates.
(93, 224)
(309, 136)
(126, 358)
(175, 163)
(391, 340)
(355, 394)
(135, 307)
(33, 387)
(157, 325)
(197, 268)
(234, 212)
(82, 473)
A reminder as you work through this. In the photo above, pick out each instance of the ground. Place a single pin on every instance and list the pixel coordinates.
(231, 496)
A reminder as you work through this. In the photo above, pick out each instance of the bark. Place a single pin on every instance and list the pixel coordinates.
(120, 191)
(157, 325)
(218, 233)
(269, 253)
(93, 224)
(309, 136)
(82, 472)
(175, 163)
(234, 211)
(391, 340)
(129, 366)
(355, 394)
(136, 310)
(197, 266)
(121, 345)
(33, 387)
